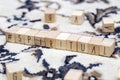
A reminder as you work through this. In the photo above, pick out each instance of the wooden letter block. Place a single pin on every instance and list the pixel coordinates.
(20, 35)
(74, 74)
(108, 25)
(107, 48)
(10, 34)
(40, 38)
(77, 17)
(83, 44)
(94, 45)
(72, 42)
(50, 16)
(14, 71)
(51, 39)
(61, 41)
(30, 37)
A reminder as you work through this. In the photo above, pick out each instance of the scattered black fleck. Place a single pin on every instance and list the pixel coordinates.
(89, 1)
(12, 25)
(105, 1)
(28, 48)
(24, 24)
(37, 20)
(40, 73)
(17, 18)
(106, 36)
(23, 14)
(4, 68)
(68, 58)
(118, 36)
(38, 53)
(8, 20)
(77, 1)
(93, 65)
(45, 64)
(30, 5)
(45, 47)
(117, 30)
(117, 50)
(92, 78)
(45, 26)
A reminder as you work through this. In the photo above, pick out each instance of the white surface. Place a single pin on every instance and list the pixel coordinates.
(109, 67)
(14, 67)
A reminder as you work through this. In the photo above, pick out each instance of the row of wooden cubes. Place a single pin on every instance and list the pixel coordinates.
(59, 40)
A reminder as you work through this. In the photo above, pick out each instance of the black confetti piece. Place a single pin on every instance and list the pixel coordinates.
(68, 58)
(45, 64)
(39, 53)
(28, 48)
(37, 20)
(45, 26)
(93, 65)
(92, 78)
(29, 5)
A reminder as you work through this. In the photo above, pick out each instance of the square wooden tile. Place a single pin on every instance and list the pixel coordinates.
(77, 17)
(50, 16)
(20, 35)
(30, 36)
(108, 25)
(72, 42)
(94, 45)
(61, 40)
(50, 39)
(107, 48)
(10, 34)
(40, 38)
(83, 44)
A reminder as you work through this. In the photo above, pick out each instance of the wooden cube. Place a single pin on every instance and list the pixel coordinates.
(20, 35)
(108, 25)
(50, 39)
(77, 17)
(61, 40)
(72, 42)
(14, 71)
(50, 16)
(94, 45)
(83, 44)
(107, 48)
(10, 34)
(74, 74)
(40, 38)
(30, 37)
